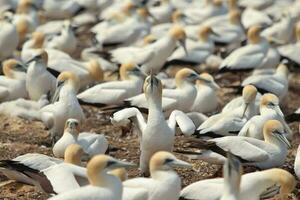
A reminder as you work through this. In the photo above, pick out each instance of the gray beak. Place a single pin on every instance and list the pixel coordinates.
(123, 164)
(282, 138)
(138, 71)
(183, 44)
(22, 68)
(31, 60)
(180, 163)
(55, 96)
(245, 109)
(278, 111)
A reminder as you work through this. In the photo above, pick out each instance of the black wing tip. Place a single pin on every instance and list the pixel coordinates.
(223, 70)
(292, 117)
(98, 105)
(176, 62)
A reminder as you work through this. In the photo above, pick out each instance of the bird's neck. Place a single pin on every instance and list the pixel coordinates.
(231, 190)
(155, 108)
(67, 94)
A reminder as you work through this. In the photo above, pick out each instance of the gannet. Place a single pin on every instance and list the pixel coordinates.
(12, 84)
(156, 125)
(56, 9)
(178, 18)
(9, 36)
(211, 9)
(152, 57)
(252, 17)
(91, 143)
(253, 186)
(231, 122)
(197, 52)
(232, 171)
(185, 91)
(48, 174)
(24, 108)
(228, 31)
(129, 193)
(90, 53)
(112, 16)
(32, 46)
(115, 92)
(291, 51)
(281, 31)
(249, 56)
(164, 182)
(126, 33)
(65, 41)
(269, 109)
(56, 114)
(228, 187)
(163, 12)
(265, 154)
(26, 18)
(238, 101)
(89, 72)
(181, 98)
(38, 80)
(257, 4)
(276, 83)
(206, 100)
(103, 186)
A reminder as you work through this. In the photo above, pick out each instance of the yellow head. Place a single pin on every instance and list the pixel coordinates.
(218, 2)
(253, 34)
(268, 100)
(73, 154)
(72, 126)
(24, 6)
(185, 75)
(68, 78)
(143, 12)
(149, 39)
(128, 8)
(22, 27)
(298, 33)
(164, 161)
(121, 173)
(176, 16)
(41, 56)
(127, 70)
(204, 32)
(38, 38)
(177, 33)
(274, 132)
(11, 65)
(207, 79)
(249, 93)
(285, 179)
(98, 164)
(235, 17)
(95, 70)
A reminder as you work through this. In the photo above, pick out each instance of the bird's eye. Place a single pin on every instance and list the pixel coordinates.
(110, 163)
(168, 160)
(271, 104)
(60, 83)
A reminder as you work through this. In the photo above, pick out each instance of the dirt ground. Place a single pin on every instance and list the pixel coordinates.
(19, 136)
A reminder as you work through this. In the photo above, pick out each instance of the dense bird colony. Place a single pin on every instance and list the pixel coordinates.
(149, 99)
